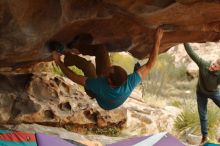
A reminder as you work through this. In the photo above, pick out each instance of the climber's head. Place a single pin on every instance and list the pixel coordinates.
(117, 76)
(215, 65)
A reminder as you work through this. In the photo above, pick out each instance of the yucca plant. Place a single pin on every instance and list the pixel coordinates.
(188, 120)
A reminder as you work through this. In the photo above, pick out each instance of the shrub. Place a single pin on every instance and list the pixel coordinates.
(124, 60)
(188, 120)
(108, 131)
(162, 73)
(176, 103)
(56, 70)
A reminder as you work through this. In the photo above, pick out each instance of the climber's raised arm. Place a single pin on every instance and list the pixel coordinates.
(198, 60)
(145, 69)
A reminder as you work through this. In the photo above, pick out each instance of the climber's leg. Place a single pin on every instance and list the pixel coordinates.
(86, 66)
(101, 57)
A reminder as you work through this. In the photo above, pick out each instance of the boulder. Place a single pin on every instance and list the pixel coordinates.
(56, 101)
(26, 27)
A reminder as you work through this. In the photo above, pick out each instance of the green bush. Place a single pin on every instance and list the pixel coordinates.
(56, 70)
(124, 60)
(188, 120)
(165, 67)
(162, 73)
(108, 131)
(176, 103)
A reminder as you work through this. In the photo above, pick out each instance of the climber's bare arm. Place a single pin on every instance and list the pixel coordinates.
(145, 69)
(71, 75)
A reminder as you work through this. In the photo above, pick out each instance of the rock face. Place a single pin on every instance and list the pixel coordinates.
(25, 27)
(58, 102)
(54, 101)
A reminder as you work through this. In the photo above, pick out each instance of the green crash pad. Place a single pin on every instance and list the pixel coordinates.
(211, 144)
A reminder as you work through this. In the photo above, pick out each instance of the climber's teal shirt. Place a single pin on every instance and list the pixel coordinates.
(208, 81)
(108, 97)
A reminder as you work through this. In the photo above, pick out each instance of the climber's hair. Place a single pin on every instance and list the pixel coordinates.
(117, 76)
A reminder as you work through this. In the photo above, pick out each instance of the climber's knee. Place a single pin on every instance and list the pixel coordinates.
(89, 69)
(68, 60)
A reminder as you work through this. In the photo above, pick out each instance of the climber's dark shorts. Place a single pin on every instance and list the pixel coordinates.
(90, 93)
